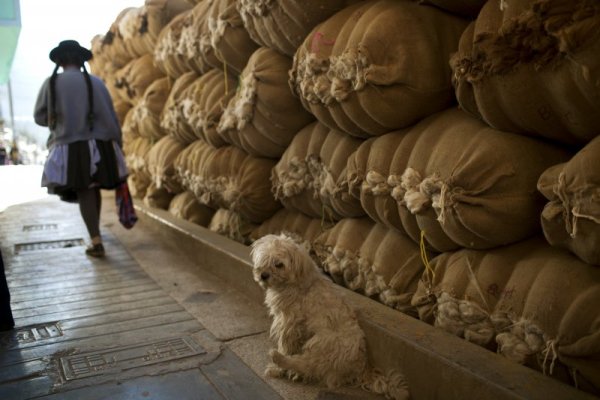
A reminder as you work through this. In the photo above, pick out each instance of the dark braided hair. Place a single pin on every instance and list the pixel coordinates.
(70, 59)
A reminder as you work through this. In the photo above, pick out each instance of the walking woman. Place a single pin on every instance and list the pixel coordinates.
(85, 137)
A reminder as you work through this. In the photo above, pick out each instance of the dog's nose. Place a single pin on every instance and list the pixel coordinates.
(264, 276)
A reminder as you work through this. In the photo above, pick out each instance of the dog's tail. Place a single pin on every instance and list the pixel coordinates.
(392, 384)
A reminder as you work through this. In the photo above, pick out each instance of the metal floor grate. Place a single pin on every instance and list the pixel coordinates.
(40, 227)
(52, 244)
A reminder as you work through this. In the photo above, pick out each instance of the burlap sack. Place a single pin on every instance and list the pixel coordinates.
(136, 155)
(161, 164)
(172, 120)
(571, 218)
(532, 67)
(204, 102)
(157, 198)
(465, 8)
(228, 37)
(371, 259)
(229, 178)
(129, 131)
(294, 224)
(263, 116)
(377, 66)
(283, 25)
(147, 112)
(133, 80)
(113, 45)
(457, 180)
(185, 166)
(536, 304)
(138, 183)
(168, 56)
(306, 178)
(230, 224)
(121, 109)
(195, 44)
(186, 206)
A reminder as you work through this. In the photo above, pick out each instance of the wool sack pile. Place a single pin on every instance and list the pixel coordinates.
(132, 80)
(377, 66)
(263, 116)
(282, 25)
(186, 206)
(306, 177)
(371, 259)
(533, 67)
(169, 56)
(146, 113)
(232, 225)
(480, 195)
(535, 304)
(571, 218)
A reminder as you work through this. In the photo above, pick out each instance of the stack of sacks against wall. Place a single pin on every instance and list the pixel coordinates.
(264, 115)
(202, 103)
(168, 55)
(377, 66)
(282, 25)
(228, 178)
(303, 229)
(533, 67)
(459, 181)
(186, 206)
(371, 259)
(536, 304)
(466, 8)
(571, 218)
(310, 177)
(146, 113)
(161, 164)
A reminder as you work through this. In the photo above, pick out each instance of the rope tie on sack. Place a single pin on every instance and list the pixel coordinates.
(549, 352)
(477, 285)
(428, 269)
(572, 213)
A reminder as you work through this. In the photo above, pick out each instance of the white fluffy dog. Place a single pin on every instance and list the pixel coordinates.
(318, 337)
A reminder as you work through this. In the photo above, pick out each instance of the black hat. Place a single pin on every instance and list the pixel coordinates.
(70, 46)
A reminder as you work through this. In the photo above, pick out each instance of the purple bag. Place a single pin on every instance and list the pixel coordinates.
(127, 216)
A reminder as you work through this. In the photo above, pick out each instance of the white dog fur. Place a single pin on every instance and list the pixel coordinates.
(318, 337)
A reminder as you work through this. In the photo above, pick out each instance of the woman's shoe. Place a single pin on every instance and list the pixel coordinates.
(95, 250)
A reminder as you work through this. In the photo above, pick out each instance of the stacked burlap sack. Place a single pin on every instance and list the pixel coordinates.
(185, 206)
(310, 176)
(156, 197)
(534, 304)
(571, 218)
(232, 225)
(377, 66)
(171, 118)
(460, 182)
(532, 66)
(263, 116)
(161, 164)
(301, 228)
(372, 259)
(282, 25)
(147, 112)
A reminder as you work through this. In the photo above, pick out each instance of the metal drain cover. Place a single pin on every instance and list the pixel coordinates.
(40, 227)
(52, 244)
(123, 358)
(30, 334)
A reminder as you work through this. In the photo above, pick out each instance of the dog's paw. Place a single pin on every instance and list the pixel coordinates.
(273, 371)
(275, 355)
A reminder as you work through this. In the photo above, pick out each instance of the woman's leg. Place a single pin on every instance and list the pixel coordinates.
(89, 206)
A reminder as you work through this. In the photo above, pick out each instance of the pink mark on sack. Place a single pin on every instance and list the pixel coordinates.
(319, 39)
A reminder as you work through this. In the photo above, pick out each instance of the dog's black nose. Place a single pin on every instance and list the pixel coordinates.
(264, 276)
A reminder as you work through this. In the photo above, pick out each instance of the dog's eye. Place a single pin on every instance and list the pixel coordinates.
(279, 265)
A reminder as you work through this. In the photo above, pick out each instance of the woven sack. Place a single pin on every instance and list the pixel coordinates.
(533, 67)
(230, 224)
(377, 66)
(186, 206)
(157, 198)
(172, 120)
(282, 25)
(168, 54)
(301, 228)
(306, 178)
(457, 180)
(133, 80)
(138, 184)
(532, 303)
(571, 218)
(147, 112)
(373, 260)
(161, 164)
(263, 116)
(203, 104)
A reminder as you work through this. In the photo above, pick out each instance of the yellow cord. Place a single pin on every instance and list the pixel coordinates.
(425, 259)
